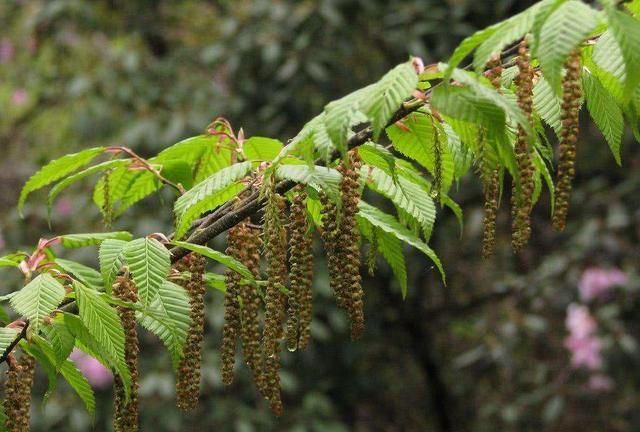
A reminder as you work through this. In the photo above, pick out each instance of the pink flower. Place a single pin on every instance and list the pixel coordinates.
(98, 376)
(19, 97)
(6, 51)
(64, 207)
(597, 282)
(584, 345)
(600, 383)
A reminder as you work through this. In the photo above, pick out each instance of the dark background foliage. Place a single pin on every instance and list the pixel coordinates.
(484, 353)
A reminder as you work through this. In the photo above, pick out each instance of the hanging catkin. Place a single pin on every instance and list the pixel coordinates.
(330, 237)
(275, 246)
(17, 402)
(188, 375)
(490, 175)
(522, 199)
(125, 417)
(301, 273)
(570, 108)
(231, 328)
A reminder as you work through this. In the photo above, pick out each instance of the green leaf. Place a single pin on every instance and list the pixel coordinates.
(216, 281)
(168, 317)
(61, 186)
(223, 259)
(189, 150)
(80, 385)
(41, 350)
(321, 178)
(565, 29)
(390, 247)
(103, 324)
(465, 48)
(605, 113)
(211, 193)
(92, 239)
(57, 169)
(547, 104)
(343, 114)
(379, 157)
(405, 194)
(7, 336)
(261, 149)
(149, 264)
(389, 93)
(417, 141)
(84, 274)
(38, 299)
(626, 30)
(178, 172)
(111, 257)
(61, 339)
(390, 225)
(141, 185)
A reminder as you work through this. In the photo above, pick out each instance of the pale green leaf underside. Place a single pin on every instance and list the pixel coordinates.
(38, 299)
(149, 264)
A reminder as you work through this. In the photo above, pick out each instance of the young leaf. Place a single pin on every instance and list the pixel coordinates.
(563, 31)
(343, 114)
(389, 224)
(60, 338)
(38, 299)
(143, 184)
(465, 48)
(216, 281)
(547, 104)
(605, 112)
(92, 239)
(7, 336)
(626, 30)
(79, 383)
(81, 272)
(321, 178)
(111, 257)
(223, 259)
(149, 264)
(57, 169)
(261, 149)
(168, 317)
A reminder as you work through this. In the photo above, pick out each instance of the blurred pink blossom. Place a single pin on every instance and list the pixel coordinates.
(19, 97)
(6, 51)
(584, 345)
(597, 282)
(600, 383)
(64, 206)
(98, 376)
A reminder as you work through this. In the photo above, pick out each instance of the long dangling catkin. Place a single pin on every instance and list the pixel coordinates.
(231, 328)
(350, 242)
(125, 417)
(301, 273)
(250, 319)
(17, 402)
(522, 198)
(188, 375)
(571, 95)
(330, 237)
(490, 176)
(275, 244)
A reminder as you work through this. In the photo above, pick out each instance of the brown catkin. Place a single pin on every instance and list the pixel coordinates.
(231, 328)
(330, 237)
(275, 245)
(489, 175)
(188, 375)
(17, 402)
(349, 244)
(570, 109)
(125, 417)
(522, 198)
(301, 273)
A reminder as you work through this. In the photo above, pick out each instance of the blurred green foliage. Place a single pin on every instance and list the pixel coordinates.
(484, 353)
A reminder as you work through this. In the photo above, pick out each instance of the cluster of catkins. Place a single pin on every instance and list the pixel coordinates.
(125, 418)
(17, 402)
(342, 243)
(522, 199)
(490, 175)
(188, 375)
(569, 136)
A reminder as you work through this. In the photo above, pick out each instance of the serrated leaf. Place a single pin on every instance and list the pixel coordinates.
(149, 264)
(379, 157)
(57, 169)
(61, 339)
(178, 172)
(38, 299)
(391, 250)
(214, 191)
(389, 93)
(321, 178)
(626, 30)
(605, 113)
(81, 272)
(547, 104)
(80, 385)
(216, 281)
(92, 239)
(103, 324)
(168, 317)
(111, 258)
(40, 349)
(223, 259)
(261, 148)
(343, 114)
(143, 184)
(7, 336)
(563, 31)
(466, 46)
(390, 224)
